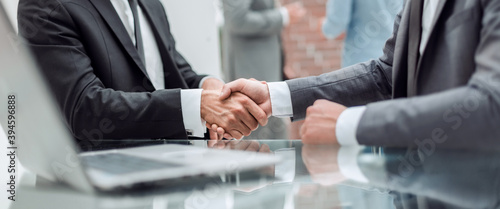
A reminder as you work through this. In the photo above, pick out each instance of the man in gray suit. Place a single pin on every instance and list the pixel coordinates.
(437, 84)
(253, 49)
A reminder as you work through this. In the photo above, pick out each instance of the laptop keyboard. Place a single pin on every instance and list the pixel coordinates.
(117, 163)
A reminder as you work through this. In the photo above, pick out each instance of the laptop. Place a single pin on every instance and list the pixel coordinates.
(44, 145)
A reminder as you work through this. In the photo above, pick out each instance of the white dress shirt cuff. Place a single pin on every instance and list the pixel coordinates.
(285, 16)
(207, 77)
(347, 125)
(191, 106)
(281, 99)
(348, 163)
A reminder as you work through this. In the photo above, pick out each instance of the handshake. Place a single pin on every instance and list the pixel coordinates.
(236, 109)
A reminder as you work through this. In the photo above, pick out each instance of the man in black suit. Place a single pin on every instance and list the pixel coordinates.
(116, 74)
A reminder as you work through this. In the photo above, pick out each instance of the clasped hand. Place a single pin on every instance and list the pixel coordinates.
(230, 112)
(238, 115)
(319, 126)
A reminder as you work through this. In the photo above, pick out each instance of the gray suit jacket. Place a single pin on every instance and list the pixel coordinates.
(252, 44)
(453, 99)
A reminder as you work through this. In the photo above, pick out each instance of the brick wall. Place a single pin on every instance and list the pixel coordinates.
(307, 51)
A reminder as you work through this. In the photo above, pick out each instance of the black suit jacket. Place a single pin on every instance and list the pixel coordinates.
(98, 78)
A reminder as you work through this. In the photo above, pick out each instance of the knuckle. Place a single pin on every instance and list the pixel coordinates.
(244, 101)
(310, 110)
(320, 102)
(231, 119)
(239, 111)
(240, 81)
(263, 117)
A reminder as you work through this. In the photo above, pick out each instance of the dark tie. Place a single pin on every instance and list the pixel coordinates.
(138, 36)
(414, 42)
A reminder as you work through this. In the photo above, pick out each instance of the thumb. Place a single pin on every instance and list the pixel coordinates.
(229, 88)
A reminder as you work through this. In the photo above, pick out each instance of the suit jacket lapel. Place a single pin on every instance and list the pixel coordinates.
(439, 11)
(400, 61)
(109, 14)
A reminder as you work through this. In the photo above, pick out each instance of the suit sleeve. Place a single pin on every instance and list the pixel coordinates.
(242, 20)
(90, 109)
(464, 117)
(352, 86)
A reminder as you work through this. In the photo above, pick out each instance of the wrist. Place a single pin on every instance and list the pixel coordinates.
(207, 96)
(212, 84)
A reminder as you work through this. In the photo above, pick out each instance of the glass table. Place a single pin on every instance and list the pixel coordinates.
(309, 176)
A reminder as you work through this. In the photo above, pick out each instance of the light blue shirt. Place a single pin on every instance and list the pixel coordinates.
(367, 23)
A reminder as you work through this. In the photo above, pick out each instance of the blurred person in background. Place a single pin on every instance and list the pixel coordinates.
(252, 46)
(366, 26)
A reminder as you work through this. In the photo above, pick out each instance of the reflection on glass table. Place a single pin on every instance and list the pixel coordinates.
(310, 176)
